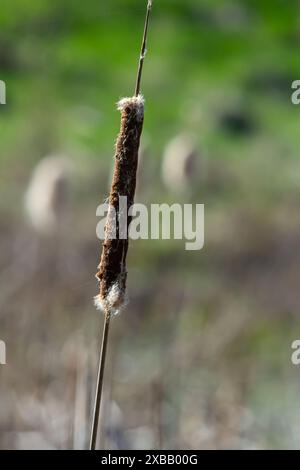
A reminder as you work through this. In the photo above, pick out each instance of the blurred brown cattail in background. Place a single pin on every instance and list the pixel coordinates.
(181, 164)
(46, 199)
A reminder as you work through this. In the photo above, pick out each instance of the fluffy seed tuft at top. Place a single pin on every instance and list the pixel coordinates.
(137, 102)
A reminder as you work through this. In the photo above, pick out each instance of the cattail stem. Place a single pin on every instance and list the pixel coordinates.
(100, 380)
(143, 50)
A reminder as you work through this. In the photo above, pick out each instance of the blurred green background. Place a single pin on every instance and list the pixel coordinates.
(201, 357)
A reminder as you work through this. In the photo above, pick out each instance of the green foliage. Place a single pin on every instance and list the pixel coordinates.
(73, 55)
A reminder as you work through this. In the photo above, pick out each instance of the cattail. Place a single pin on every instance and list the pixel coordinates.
(112, 268)
(112, 272)
(47, 194)
(181, 164)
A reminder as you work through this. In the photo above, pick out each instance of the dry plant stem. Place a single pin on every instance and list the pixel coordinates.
(143, 50)
(100, 378)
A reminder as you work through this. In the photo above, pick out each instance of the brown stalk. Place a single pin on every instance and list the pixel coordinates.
(143, 50)
(112, 272)
(99, 388)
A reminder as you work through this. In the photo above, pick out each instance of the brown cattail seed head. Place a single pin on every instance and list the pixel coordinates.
(181, 164)
(112, 268)
(46, 199)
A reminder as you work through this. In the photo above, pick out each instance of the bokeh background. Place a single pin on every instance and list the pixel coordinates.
(201, 357)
